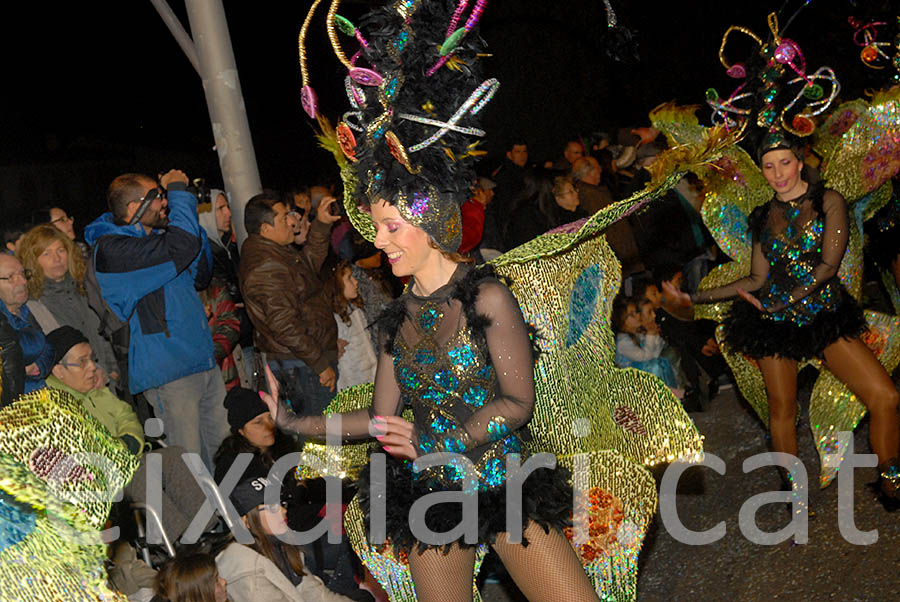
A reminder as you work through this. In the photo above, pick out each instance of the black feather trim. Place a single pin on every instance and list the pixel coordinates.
(747, 331)
(546, 497)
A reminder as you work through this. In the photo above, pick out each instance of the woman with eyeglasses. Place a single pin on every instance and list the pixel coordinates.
(56, 290)
(62, 221)
(37, 353)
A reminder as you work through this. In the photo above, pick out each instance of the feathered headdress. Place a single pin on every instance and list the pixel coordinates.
(415, 93)
(777, 101)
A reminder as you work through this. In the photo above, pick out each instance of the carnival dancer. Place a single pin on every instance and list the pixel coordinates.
(801, 310)
(456, 328)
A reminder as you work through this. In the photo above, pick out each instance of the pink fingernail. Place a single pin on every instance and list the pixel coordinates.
(261, 394)
(388, 450)
(379, 437)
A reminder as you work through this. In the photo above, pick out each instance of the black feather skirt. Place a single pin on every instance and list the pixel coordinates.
(546, 500)
(750, 332)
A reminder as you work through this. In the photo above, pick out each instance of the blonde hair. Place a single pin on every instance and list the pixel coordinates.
(36, 242)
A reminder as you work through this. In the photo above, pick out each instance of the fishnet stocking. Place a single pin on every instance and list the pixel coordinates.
(440, 577)
(547, 570)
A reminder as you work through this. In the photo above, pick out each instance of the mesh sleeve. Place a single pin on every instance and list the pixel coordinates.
(759, 271)
(511, 355)
(834, 243)
(355, 424)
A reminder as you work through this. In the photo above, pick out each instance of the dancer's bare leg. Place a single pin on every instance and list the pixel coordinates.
(856, 366)
(547, 569)
(780, 376)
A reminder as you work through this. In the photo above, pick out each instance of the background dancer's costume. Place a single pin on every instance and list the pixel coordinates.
(854, 142)
(415, 94)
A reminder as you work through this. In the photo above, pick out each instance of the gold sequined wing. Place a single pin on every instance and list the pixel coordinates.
(869, 153)
(67, 448)
(48, 552)
(828, 137)
(584, 402)
(618, 509)
(390, 569)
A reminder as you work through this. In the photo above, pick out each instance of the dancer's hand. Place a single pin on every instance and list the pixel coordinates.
(750, 299)
(673, 293)
(397, 435)
(271, 398)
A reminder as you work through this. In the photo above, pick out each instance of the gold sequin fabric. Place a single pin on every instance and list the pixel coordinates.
(622, 420)
(56, 462)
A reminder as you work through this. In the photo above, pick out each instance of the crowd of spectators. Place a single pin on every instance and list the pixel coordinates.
(159, 313)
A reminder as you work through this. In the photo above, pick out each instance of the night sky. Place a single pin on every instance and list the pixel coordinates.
(95, 89)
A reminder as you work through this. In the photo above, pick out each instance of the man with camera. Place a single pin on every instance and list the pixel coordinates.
(287, 301)
(150, 258)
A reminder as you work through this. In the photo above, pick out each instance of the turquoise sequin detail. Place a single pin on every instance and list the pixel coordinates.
(582, 302)
(442, 425)
(512, 445)
(429, 318)
(400, 41)
(434, 395)
(426, 443)
(454, 445)
(408, 378)
(497, 429)
(486, 372)
(475, 396)
(425, 357)
(462, 356)
(17, 521)
(494, 474)
(446, 379)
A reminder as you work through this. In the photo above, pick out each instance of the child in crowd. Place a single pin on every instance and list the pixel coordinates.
(269, 569)
(190, 578)
(639, 345)
(358, 362)
(693, 340)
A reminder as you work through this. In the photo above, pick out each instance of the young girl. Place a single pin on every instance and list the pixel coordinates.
(638, 343)
(191, 578)
(268, 569)
(357, 364)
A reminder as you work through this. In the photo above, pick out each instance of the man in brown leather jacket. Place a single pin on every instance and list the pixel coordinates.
(287, 302)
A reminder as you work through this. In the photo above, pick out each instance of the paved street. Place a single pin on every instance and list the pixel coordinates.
(827, 568)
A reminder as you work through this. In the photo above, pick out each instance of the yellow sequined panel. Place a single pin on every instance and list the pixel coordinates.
(68, 449)
(584, 402)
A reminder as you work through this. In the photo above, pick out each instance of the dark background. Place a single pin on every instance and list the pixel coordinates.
(95, 89)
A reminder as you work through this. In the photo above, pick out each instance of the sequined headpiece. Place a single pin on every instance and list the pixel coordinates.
(415, 95)
(776, 102)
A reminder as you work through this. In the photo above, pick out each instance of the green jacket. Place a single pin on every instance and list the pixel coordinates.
(116, 415)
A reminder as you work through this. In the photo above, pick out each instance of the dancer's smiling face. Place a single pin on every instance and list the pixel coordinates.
(405, 245)
(782, 170)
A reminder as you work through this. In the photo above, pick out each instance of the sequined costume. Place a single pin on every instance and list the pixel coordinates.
(797, 250)
(462, 360)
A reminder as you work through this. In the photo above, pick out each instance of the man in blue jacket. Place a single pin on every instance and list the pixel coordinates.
(151, 256)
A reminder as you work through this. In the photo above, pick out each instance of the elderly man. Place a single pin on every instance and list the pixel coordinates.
(75, 372)
(38, 354)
